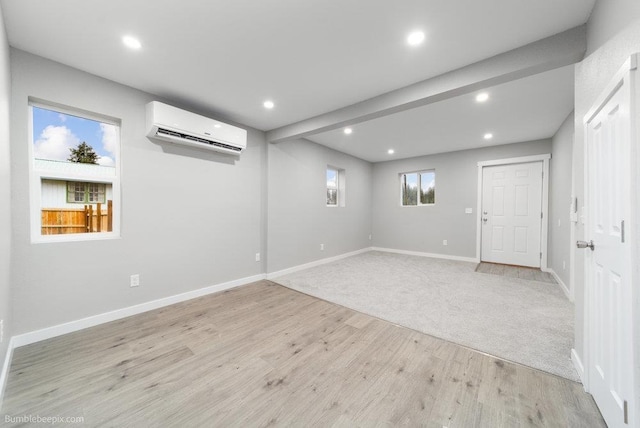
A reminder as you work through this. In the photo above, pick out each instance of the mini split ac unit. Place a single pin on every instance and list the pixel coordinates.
(172, 124)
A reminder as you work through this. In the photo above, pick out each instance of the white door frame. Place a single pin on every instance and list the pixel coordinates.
(544, 158)
(630, 67)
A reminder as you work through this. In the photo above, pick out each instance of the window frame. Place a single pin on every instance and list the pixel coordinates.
(419, 182)
(340, 186)
(37, 175)
(337, 187)
(87, 192)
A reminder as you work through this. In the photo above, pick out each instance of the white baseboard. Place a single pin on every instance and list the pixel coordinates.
(4, 375)
(69, 327)
(432, 255)
(562, 285)
(293, 269)
(577, 364)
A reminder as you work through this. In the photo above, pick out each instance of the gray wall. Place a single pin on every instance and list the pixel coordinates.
(298, 218)
(209, 237)
(559, 244)
(424, 228)
(608, 18)
(5, 192)
(610, 44)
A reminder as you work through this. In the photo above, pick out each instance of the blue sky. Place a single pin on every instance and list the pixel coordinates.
(54, 133)
(332, 178)
(428, 180)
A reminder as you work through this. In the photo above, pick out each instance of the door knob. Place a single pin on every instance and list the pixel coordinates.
(585, 244)
(485, 219)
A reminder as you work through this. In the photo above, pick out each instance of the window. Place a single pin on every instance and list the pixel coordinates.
(74, 175)
(335, 187)
(332, 187)
(418, 188)
(85, 193)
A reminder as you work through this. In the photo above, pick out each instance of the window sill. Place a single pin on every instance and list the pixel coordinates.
(76, 237)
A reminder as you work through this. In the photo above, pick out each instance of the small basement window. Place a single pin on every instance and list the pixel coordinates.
(418, 188)
(335, 187)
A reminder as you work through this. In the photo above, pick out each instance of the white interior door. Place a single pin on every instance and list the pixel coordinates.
(608, 289)
(511, 214)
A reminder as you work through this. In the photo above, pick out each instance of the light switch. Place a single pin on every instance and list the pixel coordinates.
(468, 210)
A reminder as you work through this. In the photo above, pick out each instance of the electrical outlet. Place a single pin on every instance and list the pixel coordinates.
(369, 237)
(321, 247)
(468, 210)
(135, 280)
(564, 265)
(444, 242)
(257, 257)
(558, 222)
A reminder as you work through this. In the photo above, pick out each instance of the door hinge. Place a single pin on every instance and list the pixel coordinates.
(626, 412)
(541, 215)
(622, 231)
(540, 256)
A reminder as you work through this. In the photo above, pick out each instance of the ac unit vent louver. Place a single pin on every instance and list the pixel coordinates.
(165, 132)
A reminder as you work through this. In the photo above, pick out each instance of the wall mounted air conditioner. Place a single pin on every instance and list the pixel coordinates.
(172, 124)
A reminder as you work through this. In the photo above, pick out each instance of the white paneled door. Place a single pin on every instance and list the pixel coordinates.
(512, 214)
(609, 361)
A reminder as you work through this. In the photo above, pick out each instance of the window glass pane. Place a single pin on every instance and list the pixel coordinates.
(332, 179)
(60, 216)
(428, 187)
(410, 189)
(332, 197)
(95, 192)
(75, 191)
(332, 186)
(66, 138)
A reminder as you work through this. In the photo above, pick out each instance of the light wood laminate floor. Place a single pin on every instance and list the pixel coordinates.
(263, 355)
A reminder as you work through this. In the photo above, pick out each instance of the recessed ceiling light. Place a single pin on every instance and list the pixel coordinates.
(131, 42)
(217, 125)
(268, 104)
(348, 131)
(415, 38)
(391, 151)
(488, 136)
(482, 97)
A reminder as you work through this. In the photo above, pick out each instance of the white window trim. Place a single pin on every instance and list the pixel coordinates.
(340, 186)
(330, 168)
(421, 171)
(36, 177)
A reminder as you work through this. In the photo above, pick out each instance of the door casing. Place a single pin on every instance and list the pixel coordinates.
(629, 72)
(544, 158)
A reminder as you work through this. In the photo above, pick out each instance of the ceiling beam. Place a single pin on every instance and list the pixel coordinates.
(547, 54)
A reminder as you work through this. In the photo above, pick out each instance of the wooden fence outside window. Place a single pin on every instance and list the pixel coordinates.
(90, 219)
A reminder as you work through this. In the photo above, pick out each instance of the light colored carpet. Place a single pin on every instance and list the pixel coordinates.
(528, 322)
(516, 272)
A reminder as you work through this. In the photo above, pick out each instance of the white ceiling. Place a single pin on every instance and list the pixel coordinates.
(309, 57)
(522, 110)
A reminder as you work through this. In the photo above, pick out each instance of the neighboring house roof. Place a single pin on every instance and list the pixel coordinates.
(73, 169)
